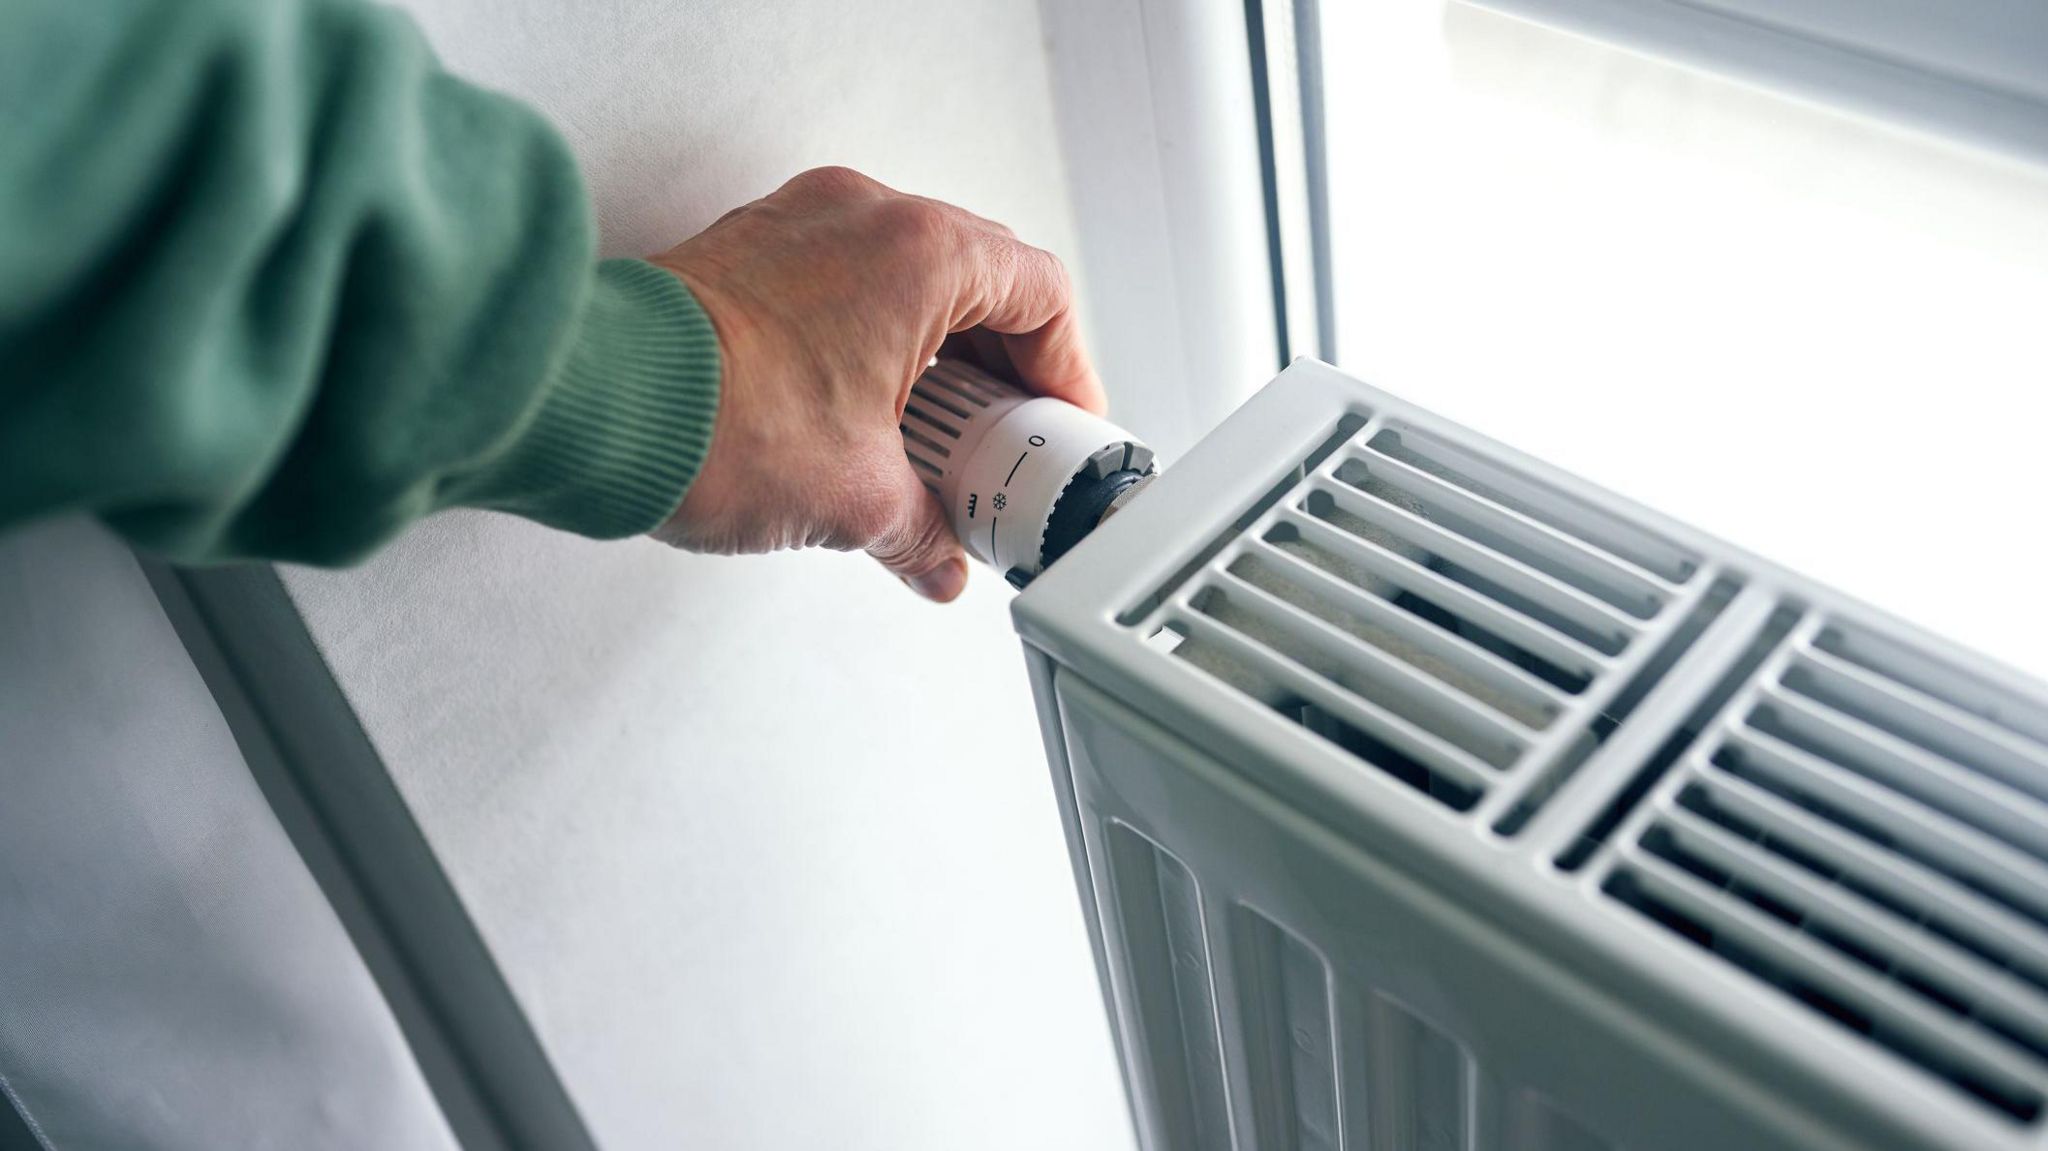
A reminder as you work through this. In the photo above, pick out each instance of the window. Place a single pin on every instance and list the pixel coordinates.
(1819, 335)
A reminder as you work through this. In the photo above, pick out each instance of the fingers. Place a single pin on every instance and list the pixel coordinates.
(1003, 284)
(970, 219)
(1023, 293)
(1052, 361)
(982, 348)
(917, 544)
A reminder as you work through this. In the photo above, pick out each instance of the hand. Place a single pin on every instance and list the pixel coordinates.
(830, 295)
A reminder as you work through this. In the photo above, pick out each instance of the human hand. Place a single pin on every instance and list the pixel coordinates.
(830, 295)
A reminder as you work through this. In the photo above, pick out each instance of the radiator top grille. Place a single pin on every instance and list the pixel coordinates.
(1699, 747)
(1865, 830)
(1442, 618)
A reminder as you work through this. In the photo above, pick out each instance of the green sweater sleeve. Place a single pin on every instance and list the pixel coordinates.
(274, 285)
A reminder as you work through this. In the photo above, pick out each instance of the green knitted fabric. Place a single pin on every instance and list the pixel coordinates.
(274, 285)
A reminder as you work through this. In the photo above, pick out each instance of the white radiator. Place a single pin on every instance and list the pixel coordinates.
(1424, 797)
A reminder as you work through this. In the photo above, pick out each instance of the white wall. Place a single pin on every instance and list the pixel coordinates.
(174, 977)
(765, 846)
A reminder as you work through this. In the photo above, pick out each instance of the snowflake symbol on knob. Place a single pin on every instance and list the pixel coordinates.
(1000, 502)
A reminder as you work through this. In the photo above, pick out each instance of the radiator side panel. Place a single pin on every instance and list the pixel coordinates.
(1269, 976)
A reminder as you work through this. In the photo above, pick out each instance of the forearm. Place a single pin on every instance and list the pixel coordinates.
(271, 284)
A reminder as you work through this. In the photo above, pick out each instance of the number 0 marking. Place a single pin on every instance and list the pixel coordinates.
(1036, 441)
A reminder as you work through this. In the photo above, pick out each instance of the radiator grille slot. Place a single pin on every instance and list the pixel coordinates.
(1530, 595)
(1865, 830)
(1675, 646)
(1439, 617)
(1405, 489)
(1358, 727)
(1702, 715)
(1938, 682)
(1537, 501)
(1373, 678)
(1419, 593)
(1311, 456)
(1469, 669)
(1796, 972)
(1923, 899)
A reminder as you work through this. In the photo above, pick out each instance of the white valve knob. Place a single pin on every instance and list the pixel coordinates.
(1022, 478)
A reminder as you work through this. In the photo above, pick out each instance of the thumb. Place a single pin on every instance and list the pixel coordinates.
(919, 545)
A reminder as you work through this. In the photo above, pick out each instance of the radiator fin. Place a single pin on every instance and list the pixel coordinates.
(1290, 1044)
(1461, 627)
(1705, 713)
(1552, 777)
(1539, 501)
(1534, 1123)
(1773, 839)
(1865, 830)
(1525, 544)
(1159, 907)
(1415, 1081)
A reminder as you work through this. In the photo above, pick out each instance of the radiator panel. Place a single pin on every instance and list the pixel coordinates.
(1441, 1032)
(1467, 805)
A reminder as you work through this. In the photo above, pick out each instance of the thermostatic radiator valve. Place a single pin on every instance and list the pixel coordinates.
(1023, 478)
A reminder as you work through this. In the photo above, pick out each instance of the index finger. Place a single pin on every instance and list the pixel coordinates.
(1023, 293)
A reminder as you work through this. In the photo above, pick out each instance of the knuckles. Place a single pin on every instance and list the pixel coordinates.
(1063, 282)
(901, 232)
(832, 182)
(913, 228)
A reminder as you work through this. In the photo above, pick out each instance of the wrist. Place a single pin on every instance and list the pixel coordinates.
(625, 423)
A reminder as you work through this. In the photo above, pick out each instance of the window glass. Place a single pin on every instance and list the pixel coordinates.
(1818, 336)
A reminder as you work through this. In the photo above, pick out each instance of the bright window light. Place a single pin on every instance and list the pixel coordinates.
(1820, 337)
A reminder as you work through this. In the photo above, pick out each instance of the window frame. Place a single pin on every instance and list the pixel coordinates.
(1156, 110)
(1952, 68)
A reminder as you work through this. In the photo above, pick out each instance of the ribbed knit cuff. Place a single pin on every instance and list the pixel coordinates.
(627, 417)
